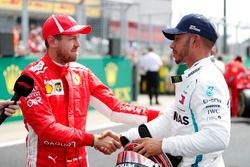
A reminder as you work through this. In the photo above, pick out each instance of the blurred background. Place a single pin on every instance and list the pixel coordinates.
(122, 30)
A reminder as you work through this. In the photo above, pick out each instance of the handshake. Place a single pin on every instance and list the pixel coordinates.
(107, 142)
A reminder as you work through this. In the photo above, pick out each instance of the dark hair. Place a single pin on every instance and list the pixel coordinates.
(209, 44)
(150, 49)
(58, 37)
(220, 58)
(238, 58)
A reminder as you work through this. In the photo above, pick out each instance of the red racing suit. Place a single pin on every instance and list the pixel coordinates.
(56, 110)
(234, 71)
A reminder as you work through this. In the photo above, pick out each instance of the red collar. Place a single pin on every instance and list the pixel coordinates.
(62, 70)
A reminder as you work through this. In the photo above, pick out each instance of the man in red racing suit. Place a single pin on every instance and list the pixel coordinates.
(234, 71)
(56, 110)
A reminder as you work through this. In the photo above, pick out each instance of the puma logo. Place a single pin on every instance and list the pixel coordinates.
(53, 159)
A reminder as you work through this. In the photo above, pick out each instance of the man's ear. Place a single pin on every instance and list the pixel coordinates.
(52, 41)
(196, 40)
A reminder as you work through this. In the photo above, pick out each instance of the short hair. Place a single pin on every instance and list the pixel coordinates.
(209, 44)
(238, 58)
(220, 58)
(150, 49)
(58, 37)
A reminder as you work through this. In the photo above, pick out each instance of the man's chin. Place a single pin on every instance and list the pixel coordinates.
(175, 60)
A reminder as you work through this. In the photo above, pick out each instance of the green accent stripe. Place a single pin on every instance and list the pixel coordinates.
(196, 129)
(198, 159)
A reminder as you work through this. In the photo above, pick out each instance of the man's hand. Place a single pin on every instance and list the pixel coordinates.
(106, 144)
(112, 134)
(11, 109)
(148, 146)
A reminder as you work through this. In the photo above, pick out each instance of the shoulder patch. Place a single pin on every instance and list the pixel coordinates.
(37, 68)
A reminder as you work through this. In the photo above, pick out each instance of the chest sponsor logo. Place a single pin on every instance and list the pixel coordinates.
(54, 87)
(184, 120)
(212, 108)
(182, 100)
(58, 86)
(76, 79)
(210, 91)
(34, 98)
(214, 118)
(213, 111)
(213, 100)
(34, 101)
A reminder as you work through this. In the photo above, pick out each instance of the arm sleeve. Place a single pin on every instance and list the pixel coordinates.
(211, 120)
(39, 117)
(159, 128)
(103, 100)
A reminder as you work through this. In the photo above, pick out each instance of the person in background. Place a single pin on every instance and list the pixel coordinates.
(219, 61)
(55, 112)
(197, 126)
(233, 72)
(152, 63)
(220, 64)
(142, 72)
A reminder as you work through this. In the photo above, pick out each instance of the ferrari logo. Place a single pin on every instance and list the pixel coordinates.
(76, 79)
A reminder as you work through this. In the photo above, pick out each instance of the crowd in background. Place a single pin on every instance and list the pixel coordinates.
(36, 45)
(98, 46)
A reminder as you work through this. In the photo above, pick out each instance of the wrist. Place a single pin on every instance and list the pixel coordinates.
(93, 141)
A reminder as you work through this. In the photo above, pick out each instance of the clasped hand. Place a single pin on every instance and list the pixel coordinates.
(107, 142)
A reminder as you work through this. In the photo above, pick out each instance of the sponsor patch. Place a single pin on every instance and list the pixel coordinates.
(184, 120)
(176, 79)
(132, 109)
(54, 87)
(213, 100)
(213, 111)
(34, 98)
(58, 86)
(214, 118)
(59, 144)
(37, 67)
(48, 88)
(76, 79)
(182, 100)
(210, 91)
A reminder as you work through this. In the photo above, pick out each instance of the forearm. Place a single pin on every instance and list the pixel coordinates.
(202, 142)
(58, 133)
